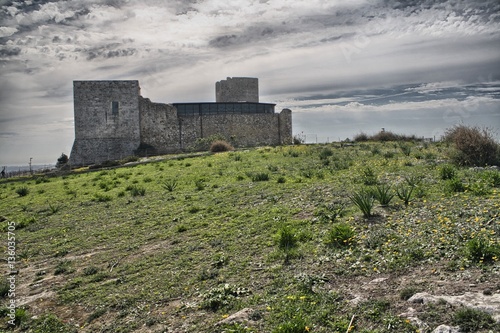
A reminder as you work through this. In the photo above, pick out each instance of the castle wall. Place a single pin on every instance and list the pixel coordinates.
(237, 89)
(112, 121)
(243, 130)
(159, 127)
(106, 119)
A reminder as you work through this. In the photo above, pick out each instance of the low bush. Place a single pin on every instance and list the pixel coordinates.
(473, 146)
(472, 320)
(220, 146)
(22, 191)
(384, 136)
(258, 176)
(481, 250)
(447, 171)
(341, 235)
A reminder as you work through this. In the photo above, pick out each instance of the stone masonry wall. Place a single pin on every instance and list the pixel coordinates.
(243, 130)
(159, 127)
(107, 123)
(237, 89)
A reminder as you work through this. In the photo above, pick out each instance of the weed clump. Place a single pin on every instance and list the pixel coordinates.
(481, 250)
(23, 191)
(472, 320)
(258, 176)
(221, 296)
(341, 235)
(220, 146)
(447, 171)
(474, 146)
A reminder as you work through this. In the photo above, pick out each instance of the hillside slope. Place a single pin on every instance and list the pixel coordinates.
(179, 245)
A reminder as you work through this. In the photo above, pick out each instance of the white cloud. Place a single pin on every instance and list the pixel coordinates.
(7, 31)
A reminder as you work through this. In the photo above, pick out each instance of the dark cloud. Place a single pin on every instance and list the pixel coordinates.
(7, 51)
(107, 52)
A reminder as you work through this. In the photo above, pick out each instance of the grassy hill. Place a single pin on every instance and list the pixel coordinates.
(178, 245)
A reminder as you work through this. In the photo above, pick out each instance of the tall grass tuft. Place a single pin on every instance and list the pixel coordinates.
(170, 185)
(23, 191)
(404, 193)
(364, 201)
(383, 194)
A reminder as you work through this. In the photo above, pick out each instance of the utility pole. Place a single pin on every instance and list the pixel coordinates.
(31, 170)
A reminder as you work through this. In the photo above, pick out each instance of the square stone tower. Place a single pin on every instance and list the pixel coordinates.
(107, 121)
(237, 89)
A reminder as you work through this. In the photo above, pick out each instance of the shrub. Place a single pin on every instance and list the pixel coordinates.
(341, 235)
(91, 270)
(447, 171)
(369, 177)
(474, 146)
(361, 137)
(21, 316)
(298, 139)
(63, 267)
(407, 293)
(287, 238)
(259, 176)
(220, 146)
(99, 197)
(472, 320)
(405, 148)
(364, 201)
(481, 250)
(325, 153)
(137, 191)
(455, 185)
(23, 191)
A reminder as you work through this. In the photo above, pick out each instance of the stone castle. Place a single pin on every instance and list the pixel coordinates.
(113, 120)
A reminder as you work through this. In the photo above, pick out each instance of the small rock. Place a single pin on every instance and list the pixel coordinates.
(357, 300)
(446, 329)
(243, 316)
(379, 280)
(421, 298)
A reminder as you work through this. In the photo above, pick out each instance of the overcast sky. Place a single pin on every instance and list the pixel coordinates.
(342, 66)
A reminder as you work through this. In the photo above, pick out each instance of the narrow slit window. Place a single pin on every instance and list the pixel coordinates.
(114, 108)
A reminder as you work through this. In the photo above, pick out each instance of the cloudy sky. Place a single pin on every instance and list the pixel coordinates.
(341, 66)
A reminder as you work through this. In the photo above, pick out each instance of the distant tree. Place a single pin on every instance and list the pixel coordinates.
(62, 160)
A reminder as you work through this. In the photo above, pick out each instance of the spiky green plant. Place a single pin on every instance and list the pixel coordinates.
(404, 193)
(364, 201)
(383, 194)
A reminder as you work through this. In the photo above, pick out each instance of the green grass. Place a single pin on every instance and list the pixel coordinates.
(163, 257)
